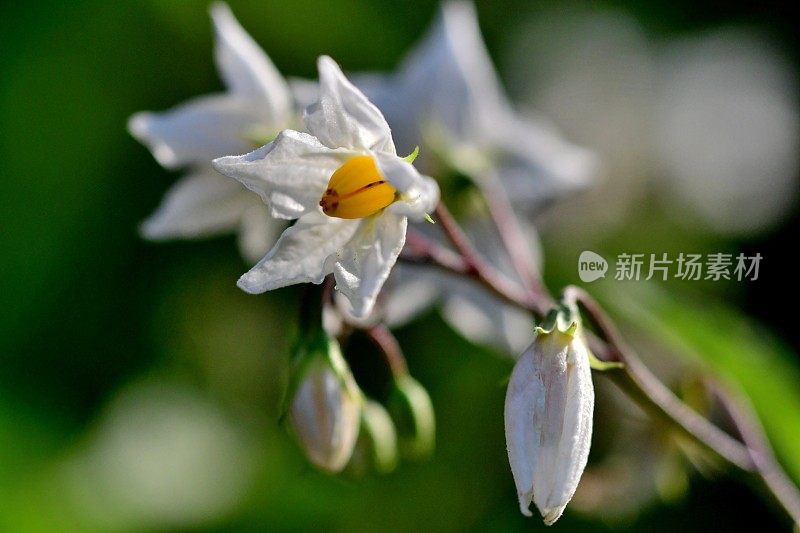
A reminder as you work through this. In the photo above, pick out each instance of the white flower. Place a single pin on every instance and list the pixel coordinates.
(325, 411)
(256, 105)
(348, 188)
(548, 419)
(447, 93)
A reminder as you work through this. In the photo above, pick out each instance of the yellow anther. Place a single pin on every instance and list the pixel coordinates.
(357, 190)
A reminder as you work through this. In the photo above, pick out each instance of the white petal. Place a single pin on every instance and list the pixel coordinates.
(379, 88)
(484, 320)
(343, 117)
(304, 92)
(365, 262)
(290, 173)
(482, 232)
(420, 194)
(449, 78)
(410, 291)
(303, 254)
(576, 434)
(246, 69)
(198, 130)
(258, 231)
(449, 94)
(536, 165)
(199, 204)
(390, 95)
(525, 393)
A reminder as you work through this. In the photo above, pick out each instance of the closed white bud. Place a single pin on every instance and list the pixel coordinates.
(325, 411)
(548, 419)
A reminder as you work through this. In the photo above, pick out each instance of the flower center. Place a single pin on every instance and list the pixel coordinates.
(357, 190)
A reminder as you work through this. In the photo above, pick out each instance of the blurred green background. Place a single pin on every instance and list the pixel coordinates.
(139, 387)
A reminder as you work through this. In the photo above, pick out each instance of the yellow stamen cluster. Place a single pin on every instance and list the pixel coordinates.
(357, 190)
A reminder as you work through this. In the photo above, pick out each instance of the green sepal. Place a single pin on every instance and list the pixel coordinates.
(429, 218)
(412, 411)
(602, 366)
(376, 448)
(412, 156)
(563, 318)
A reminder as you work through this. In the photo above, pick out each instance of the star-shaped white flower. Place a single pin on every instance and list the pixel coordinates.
(257, 105)
(447, 94)
(348, 188)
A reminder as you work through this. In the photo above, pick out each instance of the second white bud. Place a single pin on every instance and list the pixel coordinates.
(548, 419)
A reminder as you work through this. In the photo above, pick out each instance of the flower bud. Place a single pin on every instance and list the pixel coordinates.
(548, 419)
(325, 408)
(376, 447)
(412, 412)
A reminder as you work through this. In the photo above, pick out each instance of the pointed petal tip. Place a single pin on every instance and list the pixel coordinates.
(140, 126)
(149, 230)
(358, 308)
(137, 124)
(525, 499)
(326, 61)
(224, 164)
(329, 69)
(551, 514)
(223, 20)
(220, 163)
(219, 10)
(248, 284)
(361, 313)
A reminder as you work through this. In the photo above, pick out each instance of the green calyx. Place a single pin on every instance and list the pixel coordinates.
(412, 411)
(563, 318)
(376, 447)
(603, 366)
(410, 158)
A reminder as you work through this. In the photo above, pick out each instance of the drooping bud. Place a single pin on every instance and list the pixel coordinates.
(376, 447)
(548, 416)
(412, 411)
(325, 408)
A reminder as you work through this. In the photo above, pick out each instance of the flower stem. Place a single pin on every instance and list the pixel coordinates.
(421, 250)
(478, 268)
(775, 479)
(752, 454)
(636, 379)
(390, 348)
(508, 227)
